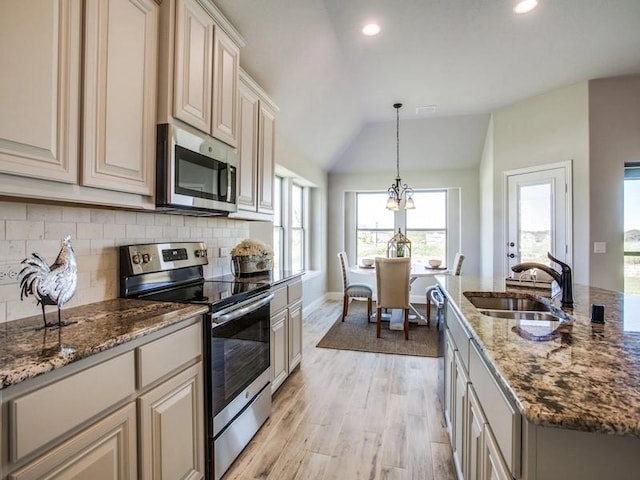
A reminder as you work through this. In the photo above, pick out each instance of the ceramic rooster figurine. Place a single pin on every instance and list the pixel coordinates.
(51, 285)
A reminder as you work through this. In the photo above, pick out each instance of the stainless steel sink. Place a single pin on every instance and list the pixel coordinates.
(506, 302)
(521, 315)
(516, 306)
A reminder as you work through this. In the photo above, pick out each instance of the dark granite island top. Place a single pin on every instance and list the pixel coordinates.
(26, 352)
(586, 379)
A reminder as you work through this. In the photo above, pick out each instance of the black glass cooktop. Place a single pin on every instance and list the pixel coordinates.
(212, 292)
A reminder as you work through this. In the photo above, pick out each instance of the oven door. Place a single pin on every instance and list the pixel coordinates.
(240, 357)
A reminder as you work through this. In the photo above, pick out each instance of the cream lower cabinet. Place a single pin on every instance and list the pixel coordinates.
(171, 428)
(132, 414)
(104, 451)
(286, 331)
(484, 428)
(279, 350)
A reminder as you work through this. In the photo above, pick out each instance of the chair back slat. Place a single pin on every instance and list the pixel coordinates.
(344, 265)
(457, 264)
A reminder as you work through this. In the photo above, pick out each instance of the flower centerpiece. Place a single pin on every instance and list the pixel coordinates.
(251, 257)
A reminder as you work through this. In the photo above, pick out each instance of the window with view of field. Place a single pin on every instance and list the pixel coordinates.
(374, 225)
(632, 230)
(425, 226)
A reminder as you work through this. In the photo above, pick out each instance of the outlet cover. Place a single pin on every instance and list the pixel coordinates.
(224, 252)
(9, 273)
(599, 247)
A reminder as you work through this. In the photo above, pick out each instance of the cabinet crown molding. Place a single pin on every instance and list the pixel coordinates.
(223, 23)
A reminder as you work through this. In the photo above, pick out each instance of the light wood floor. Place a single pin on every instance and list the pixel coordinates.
(347, 415)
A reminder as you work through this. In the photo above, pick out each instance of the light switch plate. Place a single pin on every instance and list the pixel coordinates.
(599, 247)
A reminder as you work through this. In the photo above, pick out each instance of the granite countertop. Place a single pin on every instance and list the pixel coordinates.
(584, 376)
(26, 352)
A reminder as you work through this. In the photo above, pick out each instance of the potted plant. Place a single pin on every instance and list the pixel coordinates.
(251, 257)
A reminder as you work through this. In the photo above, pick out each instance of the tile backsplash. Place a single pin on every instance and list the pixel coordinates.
(95, 235)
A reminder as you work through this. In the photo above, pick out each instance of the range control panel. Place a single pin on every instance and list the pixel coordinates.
(159, 257)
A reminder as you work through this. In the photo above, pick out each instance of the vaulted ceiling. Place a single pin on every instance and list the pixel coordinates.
(336, 87)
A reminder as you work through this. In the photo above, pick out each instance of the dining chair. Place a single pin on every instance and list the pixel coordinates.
(353, 290)
(434, 293)
(392, 282)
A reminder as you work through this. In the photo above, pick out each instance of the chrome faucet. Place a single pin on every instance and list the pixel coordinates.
(564, 278)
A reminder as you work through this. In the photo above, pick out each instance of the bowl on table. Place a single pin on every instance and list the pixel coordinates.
(435, 262)
(367, 262)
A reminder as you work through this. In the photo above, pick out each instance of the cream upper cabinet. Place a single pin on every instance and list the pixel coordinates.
(39, 99)
(256, 151)
(247, 168)
(199, 69)
(193, 65)
(266, 158)
(226, 66)
(120, 72)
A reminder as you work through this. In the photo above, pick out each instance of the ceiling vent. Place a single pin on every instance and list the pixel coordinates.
(426, 109)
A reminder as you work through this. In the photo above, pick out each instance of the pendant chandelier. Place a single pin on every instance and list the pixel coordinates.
(398, 190)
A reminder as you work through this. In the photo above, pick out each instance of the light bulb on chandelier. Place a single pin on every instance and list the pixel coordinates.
(398, 189)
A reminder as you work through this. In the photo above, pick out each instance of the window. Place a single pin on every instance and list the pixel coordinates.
(426, 226)
(297, 228)
(290, 225)
(631, 229)
(374, 225)
(278, 227)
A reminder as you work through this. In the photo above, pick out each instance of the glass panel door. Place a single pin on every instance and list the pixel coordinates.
(538, 216)
(632, 230)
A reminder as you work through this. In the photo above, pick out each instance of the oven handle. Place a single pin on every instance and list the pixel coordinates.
(221, 317)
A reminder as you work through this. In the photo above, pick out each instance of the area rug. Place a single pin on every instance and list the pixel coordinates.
(356, 334)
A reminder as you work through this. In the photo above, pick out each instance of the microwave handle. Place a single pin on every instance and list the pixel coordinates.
(229, 177)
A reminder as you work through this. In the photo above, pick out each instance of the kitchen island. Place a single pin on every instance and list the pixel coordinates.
(573, 392)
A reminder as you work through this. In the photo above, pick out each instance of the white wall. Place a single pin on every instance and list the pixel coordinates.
(466, 180)
(614, 133)
(315, 282)
(544, 129)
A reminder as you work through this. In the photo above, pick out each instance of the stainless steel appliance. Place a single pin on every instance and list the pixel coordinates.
(194, 172)
(236, 333)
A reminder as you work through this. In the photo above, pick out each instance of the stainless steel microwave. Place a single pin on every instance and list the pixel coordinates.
(194, 172)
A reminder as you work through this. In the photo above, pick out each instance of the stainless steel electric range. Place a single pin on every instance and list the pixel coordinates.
(236, 333)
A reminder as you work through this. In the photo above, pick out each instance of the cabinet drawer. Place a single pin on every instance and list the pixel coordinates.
(294, 291)
(107, 448)
(159, 358)
(279, 301)
(43, 415)
(504, 419)
(459, 335)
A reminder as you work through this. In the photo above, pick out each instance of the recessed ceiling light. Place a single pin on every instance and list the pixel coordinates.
(525, 6)
(371, 29)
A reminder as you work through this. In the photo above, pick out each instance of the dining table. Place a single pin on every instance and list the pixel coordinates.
(418, 270)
